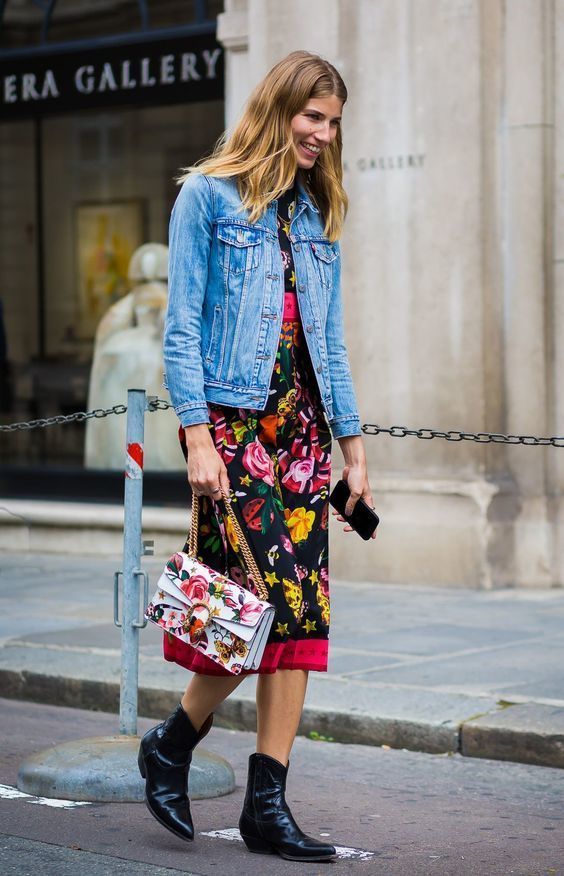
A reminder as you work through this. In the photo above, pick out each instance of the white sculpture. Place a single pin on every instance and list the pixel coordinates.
(128, 355)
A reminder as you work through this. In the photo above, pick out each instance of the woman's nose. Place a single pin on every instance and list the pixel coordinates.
(323, 134)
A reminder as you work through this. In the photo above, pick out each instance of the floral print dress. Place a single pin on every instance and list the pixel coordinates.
(279, 466)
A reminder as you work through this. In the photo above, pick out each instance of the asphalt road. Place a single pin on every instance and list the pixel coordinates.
(403, 812)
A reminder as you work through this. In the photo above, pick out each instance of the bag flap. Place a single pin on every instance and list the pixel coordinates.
(187, 580)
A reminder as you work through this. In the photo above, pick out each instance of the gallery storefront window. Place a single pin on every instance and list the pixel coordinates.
(91, 139)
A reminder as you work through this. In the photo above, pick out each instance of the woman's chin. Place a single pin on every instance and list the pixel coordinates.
(306, 163)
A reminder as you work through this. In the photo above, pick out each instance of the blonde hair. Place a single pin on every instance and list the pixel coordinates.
(260, 151)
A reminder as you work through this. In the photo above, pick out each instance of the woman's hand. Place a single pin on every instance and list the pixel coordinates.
(207, 473)
(356, 476)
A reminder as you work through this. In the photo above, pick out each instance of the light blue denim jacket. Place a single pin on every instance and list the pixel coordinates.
(225, 304)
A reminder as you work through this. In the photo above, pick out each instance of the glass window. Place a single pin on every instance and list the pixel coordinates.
(23, 20)
(107, 186)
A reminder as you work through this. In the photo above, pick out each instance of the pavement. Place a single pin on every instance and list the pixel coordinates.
(389, 813)
(426, 669)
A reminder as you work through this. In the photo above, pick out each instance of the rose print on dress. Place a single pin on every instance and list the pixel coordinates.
(258, 463)
(304, 475)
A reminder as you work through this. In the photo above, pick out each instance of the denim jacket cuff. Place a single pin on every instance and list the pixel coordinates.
(191, 414)
(342, 427)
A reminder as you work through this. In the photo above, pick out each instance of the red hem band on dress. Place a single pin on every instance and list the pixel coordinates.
(309, 654)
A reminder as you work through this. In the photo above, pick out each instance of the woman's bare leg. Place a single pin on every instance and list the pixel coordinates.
(204, 694)
(280, 700)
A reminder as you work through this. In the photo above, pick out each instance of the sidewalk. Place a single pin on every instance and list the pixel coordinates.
(424, 669)
(388, 813)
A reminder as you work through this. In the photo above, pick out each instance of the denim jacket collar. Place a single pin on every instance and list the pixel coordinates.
(303, 196)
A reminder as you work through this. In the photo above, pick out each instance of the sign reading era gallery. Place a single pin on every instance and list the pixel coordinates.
(161, 71)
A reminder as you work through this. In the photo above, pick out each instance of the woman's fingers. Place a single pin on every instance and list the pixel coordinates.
(207, 475)
(351, 501)
(224, 481)
(212, 487)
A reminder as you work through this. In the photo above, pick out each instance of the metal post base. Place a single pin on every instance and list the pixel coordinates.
(103, 769)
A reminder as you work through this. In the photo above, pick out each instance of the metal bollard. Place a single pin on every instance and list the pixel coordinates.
(132, 572)
(105, 768)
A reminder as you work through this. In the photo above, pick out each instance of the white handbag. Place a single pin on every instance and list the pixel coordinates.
(203, 608)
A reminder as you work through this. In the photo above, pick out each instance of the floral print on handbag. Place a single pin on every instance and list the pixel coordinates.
(216, 616)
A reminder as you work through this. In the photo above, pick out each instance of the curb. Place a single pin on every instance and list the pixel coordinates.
(528, 733)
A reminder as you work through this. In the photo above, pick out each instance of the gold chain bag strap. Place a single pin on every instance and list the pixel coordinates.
(208, 611)
(250, 562)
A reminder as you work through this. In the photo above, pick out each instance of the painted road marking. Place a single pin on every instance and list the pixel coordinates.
(8, 792)
(232, 833)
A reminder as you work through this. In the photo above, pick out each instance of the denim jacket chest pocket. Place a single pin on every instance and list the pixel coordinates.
(324, 254)
(239, 247)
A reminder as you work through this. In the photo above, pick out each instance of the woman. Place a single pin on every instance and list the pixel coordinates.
(259, 377)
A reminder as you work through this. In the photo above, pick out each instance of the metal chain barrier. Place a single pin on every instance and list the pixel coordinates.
(78, 417)
(158, 404)
(153, 404)
(455, 435)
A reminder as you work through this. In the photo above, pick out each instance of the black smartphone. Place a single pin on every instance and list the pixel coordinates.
(363, 519)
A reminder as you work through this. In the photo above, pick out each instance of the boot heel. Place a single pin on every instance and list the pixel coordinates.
(254, 844)
(141, 764)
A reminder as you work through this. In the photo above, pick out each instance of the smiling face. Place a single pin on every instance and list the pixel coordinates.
(315, 128)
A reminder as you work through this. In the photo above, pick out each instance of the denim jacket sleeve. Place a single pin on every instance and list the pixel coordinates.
(345, 420)
(190, 237)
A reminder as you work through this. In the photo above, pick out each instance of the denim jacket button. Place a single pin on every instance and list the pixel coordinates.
(309, 328)
(301, 287)
(319, 369)
(297, 247)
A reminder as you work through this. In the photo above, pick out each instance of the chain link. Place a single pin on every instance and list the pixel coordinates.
(153, 404)
(158, 404)
(455, 435)
(60, 420)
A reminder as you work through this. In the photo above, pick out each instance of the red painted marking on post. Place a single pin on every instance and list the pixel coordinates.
(136, 453)
(134, 461)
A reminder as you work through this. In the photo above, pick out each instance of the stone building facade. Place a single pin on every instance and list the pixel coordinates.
(453, 261)
(453, 254)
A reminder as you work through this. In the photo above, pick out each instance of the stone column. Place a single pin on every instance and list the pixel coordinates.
(414, 280)
(524, 182)
(233, 33)
(555, 333)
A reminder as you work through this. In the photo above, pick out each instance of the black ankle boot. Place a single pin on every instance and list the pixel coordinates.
(165, 755)
(266, 823)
